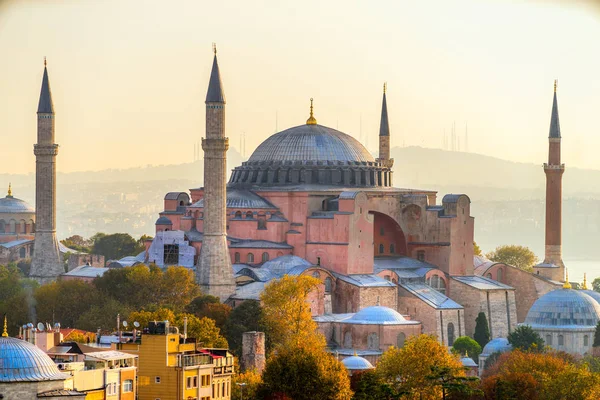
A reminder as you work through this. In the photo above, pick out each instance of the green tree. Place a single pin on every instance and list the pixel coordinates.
(477, 249)
(210, 307)
(302, 373)
(526, 339)
(102, 316)
(244, 318)
(482, 330)
(517, 256)
(368, 385)
(115, 246)
(16, 298)
(65, 301)
(596, 285)
(78, 243)
(597, 335)
(286, 312)
(453, 386)
(465, 345)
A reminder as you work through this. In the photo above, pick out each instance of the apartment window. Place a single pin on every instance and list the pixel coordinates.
(157, 379)
(111, 389)
(128, 386)
(205, 381)
(192, 382)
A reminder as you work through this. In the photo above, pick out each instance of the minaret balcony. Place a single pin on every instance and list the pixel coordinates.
(554, 166)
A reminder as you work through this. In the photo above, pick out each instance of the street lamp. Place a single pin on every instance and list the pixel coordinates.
(241, 385)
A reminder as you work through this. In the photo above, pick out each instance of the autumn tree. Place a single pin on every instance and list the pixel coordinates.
(526, 339)
(406, 370)
(482, 330)
(244, 318)
(251, 381)
(464, 345)
(302, 373)
(286, 313)
(453, 386)
(368, 385)
(477, 249)
(210, 307)
(543, 376)
(518, 256)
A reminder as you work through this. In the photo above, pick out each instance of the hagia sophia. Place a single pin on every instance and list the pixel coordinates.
(311, 200)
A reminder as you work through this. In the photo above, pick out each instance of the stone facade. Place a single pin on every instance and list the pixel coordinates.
(30, 390)
(46, 264)
(77, 260)
(253, 351)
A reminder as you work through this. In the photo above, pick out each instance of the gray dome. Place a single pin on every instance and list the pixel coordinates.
(498, 345)
(564, 308)
(311, 143)
(356, 363)
(11, 205)
(377, 315)
(593, 294)
(163, 221)
(282, 265)
(22, 361)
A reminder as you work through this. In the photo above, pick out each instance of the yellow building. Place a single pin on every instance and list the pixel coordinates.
(172, 367)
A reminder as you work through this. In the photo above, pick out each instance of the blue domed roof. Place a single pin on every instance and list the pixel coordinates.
(311, 143)
(22, 361)
(163, 221)
(356, 363)
(284, 264)
(593, 294)
(564, 308)
(498, 345)
(10, 204)
(377, 315)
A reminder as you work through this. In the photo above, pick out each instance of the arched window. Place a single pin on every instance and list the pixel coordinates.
(23, 253)
(499, 275)
(181, 203)
(381, 249)
(400, 340)
(262, 222)
(392, 248)
(348, 340)
(238, 215)
(265, 257)
(382, 231)
(13, 226)
(249, 215)
(22, 226)
(236, 258)
(328, 285)
(586, 340)
(450, 334)
(250, 258)
(421, 255)
(489, 276)
(437, 283)
(2, 226)
(32, 226)
(561, 340)
(373, 341)
(316, 274)
(549, 340)
(387, 278)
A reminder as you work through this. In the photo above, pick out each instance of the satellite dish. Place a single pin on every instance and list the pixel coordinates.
(57, 325)
(125, 324)
(136, 324)
(40, 327)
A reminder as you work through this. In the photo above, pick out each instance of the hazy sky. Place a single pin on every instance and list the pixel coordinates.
(129, 78)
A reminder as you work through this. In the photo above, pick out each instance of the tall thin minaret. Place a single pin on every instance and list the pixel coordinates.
(46, 264)
(384, 140)
(214, 271)
(553, 266)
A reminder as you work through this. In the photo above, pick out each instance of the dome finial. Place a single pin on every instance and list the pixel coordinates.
(311, 120)
(567, 285)
(9, 190)
(584, 285)
(5, 333)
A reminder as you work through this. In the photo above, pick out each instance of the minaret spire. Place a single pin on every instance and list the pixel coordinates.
(215, 93)
(384, 143)
(45, 105)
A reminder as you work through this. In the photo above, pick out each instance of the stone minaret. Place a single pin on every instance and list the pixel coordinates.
(215, 272)
(384, 140)
(553, 266)
(46, 264)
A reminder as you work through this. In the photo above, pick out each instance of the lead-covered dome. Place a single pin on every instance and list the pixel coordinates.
(12, 205)
(564, 308)
(22, 361)
(357, 363)
(311, 143)
(377, 315)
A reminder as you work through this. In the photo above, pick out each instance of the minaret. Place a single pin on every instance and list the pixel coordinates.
(46, 264)
(214, 271)
(384, 141)
(553, 266)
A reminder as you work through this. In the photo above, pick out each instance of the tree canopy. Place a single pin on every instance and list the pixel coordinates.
(526, 339)
(482, 330)
(518, 256)
(464, 345)
(244, 318)
(115, 246)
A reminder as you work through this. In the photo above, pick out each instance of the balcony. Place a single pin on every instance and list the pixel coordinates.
(191, 360)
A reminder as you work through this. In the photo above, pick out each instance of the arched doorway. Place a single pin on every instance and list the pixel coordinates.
(388, 237)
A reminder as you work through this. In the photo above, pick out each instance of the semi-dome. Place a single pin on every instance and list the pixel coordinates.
(163, 221)
(498, 345)
(377, 315)
(311, 154)
(311, 143)
(22, 361)
(357, 363)
(282, 265)
(564, 308)
(12, 205)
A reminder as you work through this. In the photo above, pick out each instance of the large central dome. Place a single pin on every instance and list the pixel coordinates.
(311, 143)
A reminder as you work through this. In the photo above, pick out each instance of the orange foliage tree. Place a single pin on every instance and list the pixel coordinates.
(533, 376)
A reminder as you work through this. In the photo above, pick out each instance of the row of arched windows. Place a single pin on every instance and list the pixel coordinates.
(13, 226)
(373, 340)
(561, 340)
(250, 257)
(437, 283)
(382, 248)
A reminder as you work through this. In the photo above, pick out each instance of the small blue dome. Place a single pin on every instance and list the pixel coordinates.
(377, 315)
(498, 345)
(566, 308)
(10, 204)
(467, 362)
(21, 361)
(163, 221)
(356, 363)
